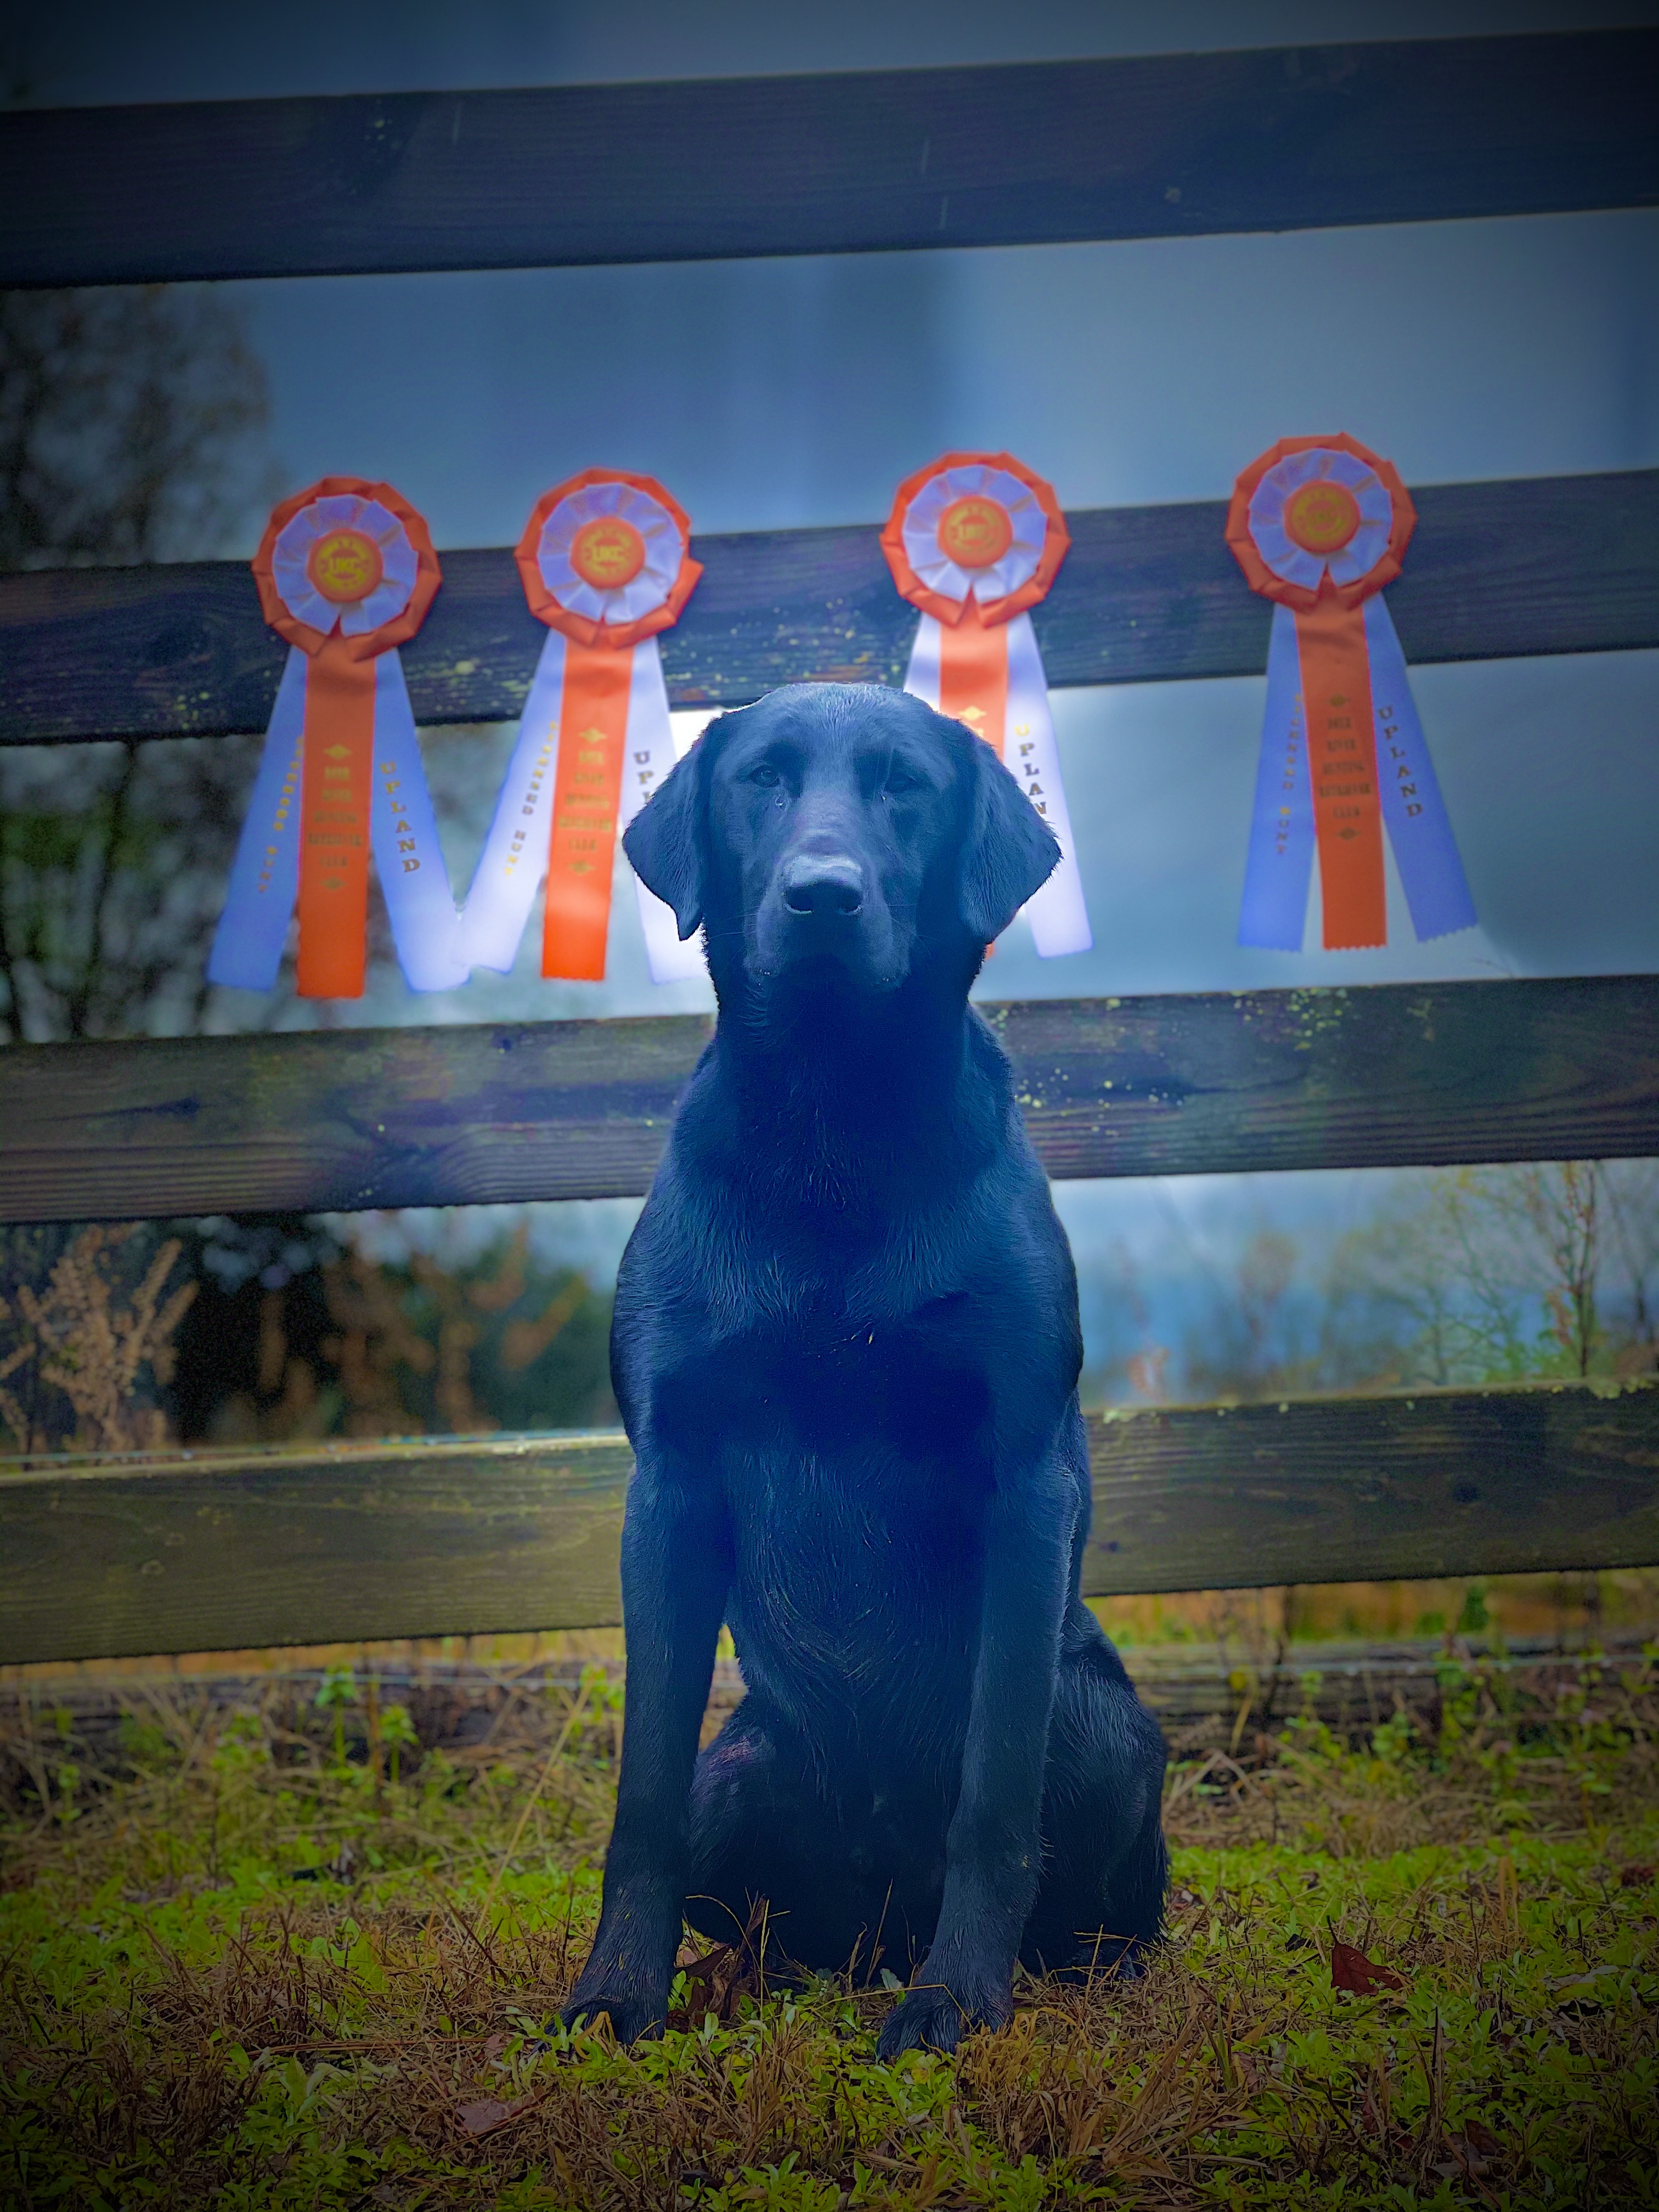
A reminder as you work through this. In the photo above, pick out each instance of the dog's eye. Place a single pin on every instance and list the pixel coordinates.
(901, 779)
(765, 775)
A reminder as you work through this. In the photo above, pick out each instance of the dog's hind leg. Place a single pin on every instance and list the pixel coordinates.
(767, 1848)
(1105, 1870)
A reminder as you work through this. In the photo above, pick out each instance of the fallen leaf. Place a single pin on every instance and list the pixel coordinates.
(715, 1983)
(494, 2045)
(1353, 1970)
(711, 1962)
(1482, 2139)
(481, 2116)
(1635, 1877)
(1465, 2156)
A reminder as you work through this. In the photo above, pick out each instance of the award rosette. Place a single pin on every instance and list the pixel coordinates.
(974, 541)
(605, 563)
(346, 573)
(1319, 525)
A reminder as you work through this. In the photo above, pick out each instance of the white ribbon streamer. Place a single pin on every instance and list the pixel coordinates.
(404, 836)
(514, 858)
(1058, 913)
(513, 863)
(648, 758)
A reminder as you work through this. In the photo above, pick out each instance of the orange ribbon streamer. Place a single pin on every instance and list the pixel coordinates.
(339, 760)
(587, 794)
(1336, 688)
(972, 674)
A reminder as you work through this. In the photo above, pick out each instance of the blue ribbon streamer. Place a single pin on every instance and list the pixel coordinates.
(1279, 867)
(1431, 869)
(264, 877)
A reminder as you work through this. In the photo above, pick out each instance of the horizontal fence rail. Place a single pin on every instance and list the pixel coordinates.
(1201, 1686)
(107, 1559)
(1416, 1074)
(1542, 564)
(1020, 154)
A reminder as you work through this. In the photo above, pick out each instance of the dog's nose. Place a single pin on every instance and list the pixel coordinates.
(827, 884)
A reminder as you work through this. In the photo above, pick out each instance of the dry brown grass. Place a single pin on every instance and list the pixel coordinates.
(183, 2021)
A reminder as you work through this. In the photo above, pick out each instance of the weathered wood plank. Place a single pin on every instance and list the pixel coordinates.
(1390, 1075)
(1153, 146)
(100, 1559)
(1546, 564)
(1375, 1489)
(171, 1555)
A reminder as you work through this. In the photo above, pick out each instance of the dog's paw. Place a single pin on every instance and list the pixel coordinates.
(935, 2016)
(635, 2014)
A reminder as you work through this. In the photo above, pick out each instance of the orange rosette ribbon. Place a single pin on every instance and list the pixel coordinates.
(974, 541)
(346, 572)
(1320, 526)
(606, 565)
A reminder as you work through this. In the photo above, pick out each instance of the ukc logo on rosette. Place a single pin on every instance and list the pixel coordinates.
(346, 572)
(606, 564)
(1320, 526)
(974, 541)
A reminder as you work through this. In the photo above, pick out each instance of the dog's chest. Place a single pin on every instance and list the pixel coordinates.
(879, 1406)
(858, 1562)
(855, 1472)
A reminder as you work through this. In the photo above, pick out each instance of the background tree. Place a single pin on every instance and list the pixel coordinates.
(131, 429)
(1504, 1273)
(1464, 1277)
(132, 424)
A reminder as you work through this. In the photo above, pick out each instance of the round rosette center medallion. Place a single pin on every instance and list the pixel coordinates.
(344, 566)
(974, 532)
(608, 553)
(1322, 516)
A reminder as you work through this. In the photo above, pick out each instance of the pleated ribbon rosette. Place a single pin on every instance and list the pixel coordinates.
(605, 563)
(974, 541)
(346, 573)
(1319, 525)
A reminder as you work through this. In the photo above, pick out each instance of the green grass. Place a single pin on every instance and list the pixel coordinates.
(185, 2020)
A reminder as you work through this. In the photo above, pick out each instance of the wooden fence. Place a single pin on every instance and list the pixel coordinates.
(192, 1551)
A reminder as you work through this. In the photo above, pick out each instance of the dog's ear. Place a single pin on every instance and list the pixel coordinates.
(666, 840)
(1011, 851)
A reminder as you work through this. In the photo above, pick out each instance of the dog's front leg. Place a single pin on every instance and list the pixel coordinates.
(675, 1573)
(994, 1850)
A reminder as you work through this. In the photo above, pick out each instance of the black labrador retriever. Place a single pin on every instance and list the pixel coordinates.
(846, 1349)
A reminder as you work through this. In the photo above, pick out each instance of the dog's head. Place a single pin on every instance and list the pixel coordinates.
(838, 837)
